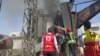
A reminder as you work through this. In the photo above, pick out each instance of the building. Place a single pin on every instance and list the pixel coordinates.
(17, 39)
(16, 34)
(17, 42)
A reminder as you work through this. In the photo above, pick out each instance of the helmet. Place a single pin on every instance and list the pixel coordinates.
(87, 25)
(68, 29)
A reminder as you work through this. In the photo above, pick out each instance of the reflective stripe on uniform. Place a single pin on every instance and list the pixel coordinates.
(91, 36)
(71, 38)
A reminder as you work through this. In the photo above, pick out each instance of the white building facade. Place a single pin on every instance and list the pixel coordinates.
(17, 42)
(17, 39)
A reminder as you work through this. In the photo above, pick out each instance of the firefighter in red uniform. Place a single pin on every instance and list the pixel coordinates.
(91, 41)
(49, 44)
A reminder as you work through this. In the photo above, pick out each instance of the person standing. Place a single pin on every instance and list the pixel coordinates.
(60, 39)
(91, 41)
(58, 21)
(49, 44)
(71, 41)
(81, 44)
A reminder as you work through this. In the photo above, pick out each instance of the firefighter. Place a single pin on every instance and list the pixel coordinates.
(91, 41)
(49, 44)
(71, 41)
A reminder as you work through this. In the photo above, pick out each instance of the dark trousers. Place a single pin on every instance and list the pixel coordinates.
(50, 54)
(72, 48)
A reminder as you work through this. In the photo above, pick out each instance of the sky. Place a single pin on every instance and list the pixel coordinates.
(11, 15)
(95, 19)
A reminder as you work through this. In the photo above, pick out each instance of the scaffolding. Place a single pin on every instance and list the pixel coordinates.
(30, 25)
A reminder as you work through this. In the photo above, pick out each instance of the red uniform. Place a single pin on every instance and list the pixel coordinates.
(91, 43)
(48, 43)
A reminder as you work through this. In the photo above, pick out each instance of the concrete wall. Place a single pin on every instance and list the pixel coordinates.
(17, 47)
(17, 43)
(43, 24)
